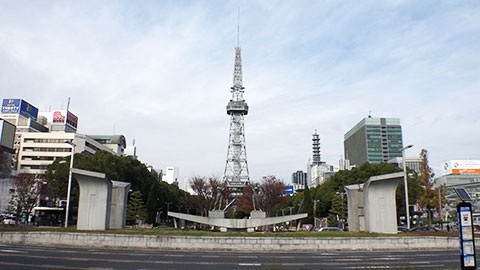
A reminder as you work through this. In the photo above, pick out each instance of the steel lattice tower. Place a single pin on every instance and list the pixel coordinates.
(236, 168)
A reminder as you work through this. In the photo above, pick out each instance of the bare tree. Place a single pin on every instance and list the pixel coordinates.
(27, 188)
(270, 195)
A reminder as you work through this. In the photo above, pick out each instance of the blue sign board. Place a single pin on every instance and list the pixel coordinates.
(19, 106)
(11, 106)
(288, 190)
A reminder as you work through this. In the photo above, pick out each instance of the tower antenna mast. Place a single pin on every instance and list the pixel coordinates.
(238, 28)
(236, 173)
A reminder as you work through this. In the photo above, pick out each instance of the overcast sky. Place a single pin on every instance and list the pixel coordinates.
(160, 72)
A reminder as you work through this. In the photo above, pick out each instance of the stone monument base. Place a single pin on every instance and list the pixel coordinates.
(257, 214)
(216, 214)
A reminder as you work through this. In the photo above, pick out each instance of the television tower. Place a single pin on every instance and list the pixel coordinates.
(236, 168)
(316, 149)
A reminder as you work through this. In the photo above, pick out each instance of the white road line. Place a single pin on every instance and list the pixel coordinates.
(13, 251)
(249, 264)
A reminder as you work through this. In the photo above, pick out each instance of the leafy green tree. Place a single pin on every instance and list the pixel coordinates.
(307, 206)
(415, 191)
(326, 192)
(117, 168)
(338, 212)
(152, 202)
(136, 208)
(240, 213)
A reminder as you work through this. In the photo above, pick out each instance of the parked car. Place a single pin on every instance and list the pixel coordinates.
(9, 220)
(330, 229)
(402, 229)
(424, 229)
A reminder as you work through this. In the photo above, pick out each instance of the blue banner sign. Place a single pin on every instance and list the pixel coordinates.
(288, 190)
(19, 106)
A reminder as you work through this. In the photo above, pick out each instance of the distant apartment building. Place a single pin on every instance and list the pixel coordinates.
(373, 140)
(170, 175)
(411, 163)
(299, 178)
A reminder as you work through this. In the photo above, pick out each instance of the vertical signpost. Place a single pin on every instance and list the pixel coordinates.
(466, 231)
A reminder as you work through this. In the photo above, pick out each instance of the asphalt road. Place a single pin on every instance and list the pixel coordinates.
(19, 257)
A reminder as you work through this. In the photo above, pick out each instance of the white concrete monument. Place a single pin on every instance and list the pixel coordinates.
(102, 203)
(94, 200)
(118, 205)
(372, 206)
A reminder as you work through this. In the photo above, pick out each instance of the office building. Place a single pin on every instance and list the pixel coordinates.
(373, 140)
(299, 178)
(37, 150)
(171, 175)
(411, 163)
(116, 143)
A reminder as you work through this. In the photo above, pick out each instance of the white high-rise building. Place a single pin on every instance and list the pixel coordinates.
(170, 175)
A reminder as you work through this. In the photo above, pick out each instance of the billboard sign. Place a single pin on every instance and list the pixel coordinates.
(288, 190)
(72, 120)
(11, 106)
(460, 167)
(63, 118)
(19, 106)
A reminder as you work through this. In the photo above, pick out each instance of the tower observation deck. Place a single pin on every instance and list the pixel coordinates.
(236, 168)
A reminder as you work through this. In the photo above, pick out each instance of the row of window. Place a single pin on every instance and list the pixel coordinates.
(46, 149)
(37, 158)
(33, 167)
(30, 140)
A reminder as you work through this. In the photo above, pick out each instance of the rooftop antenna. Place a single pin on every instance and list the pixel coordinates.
(238, 28)
(369, 114)
(68, 103)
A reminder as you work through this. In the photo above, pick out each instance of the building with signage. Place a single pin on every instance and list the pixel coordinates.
(460, 174)
(60, 120)
(37, 150)
(25, 118)
(373, 140)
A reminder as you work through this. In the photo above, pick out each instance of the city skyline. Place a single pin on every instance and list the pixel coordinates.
(160, 73)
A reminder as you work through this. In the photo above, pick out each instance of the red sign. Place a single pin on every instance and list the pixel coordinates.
(58, 117)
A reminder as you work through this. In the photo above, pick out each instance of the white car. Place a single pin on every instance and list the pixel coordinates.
(8, 221)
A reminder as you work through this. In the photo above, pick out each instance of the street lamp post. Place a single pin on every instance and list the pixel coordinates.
(407, 213)
(69, 183)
